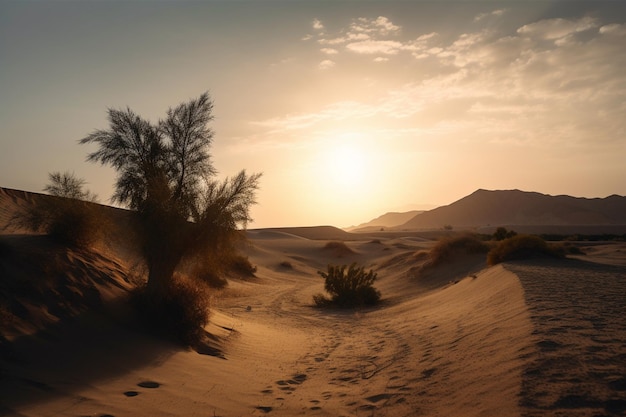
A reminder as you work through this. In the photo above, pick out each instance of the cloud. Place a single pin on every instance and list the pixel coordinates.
(329, 51)
(326, 64)
(375, 47)
(497, 13)
(551, 29)
(540, 83)
(381, 26)
(334, 112)
(363, 29)
(317, 24)
(613, 29)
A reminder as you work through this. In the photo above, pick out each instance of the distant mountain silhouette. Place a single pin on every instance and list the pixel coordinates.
(485, 208)
(391, 219)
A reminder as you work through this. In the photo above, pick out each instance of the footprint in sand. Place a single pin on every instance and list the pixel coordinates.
(142, 384)
(148, 384)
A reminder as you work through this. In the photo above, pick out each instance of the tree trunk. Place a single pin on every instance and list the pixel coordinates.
(161, 268)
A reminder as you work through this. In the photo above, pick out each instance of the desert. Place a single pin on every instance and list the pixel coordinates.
(324, 208)
(531, 337)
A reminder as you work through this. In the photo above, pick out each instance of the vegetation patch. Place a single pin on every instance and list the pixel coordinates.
(70, 215)
(348, 288)
(522, 247)
(182, 310)
(338, 249)
(448, 248)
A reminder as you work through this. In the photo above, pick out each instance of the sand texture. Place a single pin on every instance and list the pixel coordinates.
(531, 338)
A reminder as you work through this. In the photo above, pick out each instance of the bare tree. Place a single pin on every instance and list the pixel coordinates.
(165, 174)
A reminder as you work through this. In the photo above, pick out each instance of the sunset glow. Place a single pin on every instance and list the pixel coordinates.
(350, 109)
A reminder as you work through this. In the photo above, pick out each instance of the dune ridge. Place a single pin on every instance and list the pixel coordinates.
(461, 340)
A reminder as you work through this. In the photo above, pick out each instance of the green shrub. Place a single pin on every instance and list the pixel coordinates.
(350, 288)
(448, 247)
(521, 247)
(182, 311)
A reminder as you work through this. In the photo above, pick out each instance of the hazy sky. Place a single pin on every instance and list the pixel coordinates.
(350, 109)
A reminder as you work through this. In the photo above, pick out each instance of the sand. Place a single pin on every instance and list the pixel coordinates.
(527, 338)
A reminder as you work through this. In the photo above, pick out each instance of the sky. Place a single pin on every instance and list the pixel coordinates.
(350, 109)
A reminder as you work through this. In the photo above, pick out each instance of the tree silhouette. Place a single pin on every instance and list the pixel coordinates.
(67, 185)
(166, 176)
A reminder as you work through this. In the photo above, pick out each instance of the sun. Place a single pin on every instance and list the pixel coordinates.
(346, 165)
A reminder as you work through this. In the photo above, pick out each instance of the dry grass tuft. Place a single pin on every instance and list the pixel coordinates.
(448, 248)
(522, 247)
(338, 248)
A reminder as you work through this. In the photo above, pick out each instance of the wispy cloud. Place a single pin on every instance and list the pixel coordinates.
(375, 47)
(541, 83)
(497, 13)
(326, 64)
(317, 24)
(552, 29)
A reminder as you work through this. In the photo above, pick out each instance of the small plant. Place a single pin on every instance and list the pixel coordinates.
(339, 249)
(350, 288)
(69, 214)
(521, 247)
(286, 265)
(447, 248)
(209, 273)
(241, 265)
(501, 233)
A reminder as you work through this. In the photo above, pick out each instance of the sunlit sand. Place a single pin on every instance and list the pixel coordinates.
(525, 338)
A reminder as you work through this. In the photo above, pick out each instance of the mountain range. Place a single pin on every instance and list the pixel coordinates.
(487, 208)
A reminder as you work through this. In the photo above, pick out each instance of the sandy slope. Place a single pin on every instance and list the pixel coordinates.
(457, 350)
(511, 340)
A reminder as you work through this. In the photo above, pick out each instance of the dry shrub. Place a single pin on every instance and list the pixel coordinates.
(182, 311)
(521, 247)
(350, 288)
(338, 248)
(447, 248)
(69, 221)
(241, 265)
(212, 269)
(211, 277)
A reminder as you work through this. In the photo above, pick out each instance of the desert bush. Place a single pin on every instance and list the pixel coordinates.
(166, 176)
(210, 273)
(286, 264)
(568, 248)
(448, 247)
(69, 186)
(521, 247)
(350, 288)
(213, 268)
(182, 311)
(69, 221)
(69, 214)
(338, 248)
(241, 265)
(502, 233)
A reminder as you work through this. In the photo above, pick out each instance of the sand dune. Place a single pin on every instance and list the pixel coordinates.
(517, 339)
